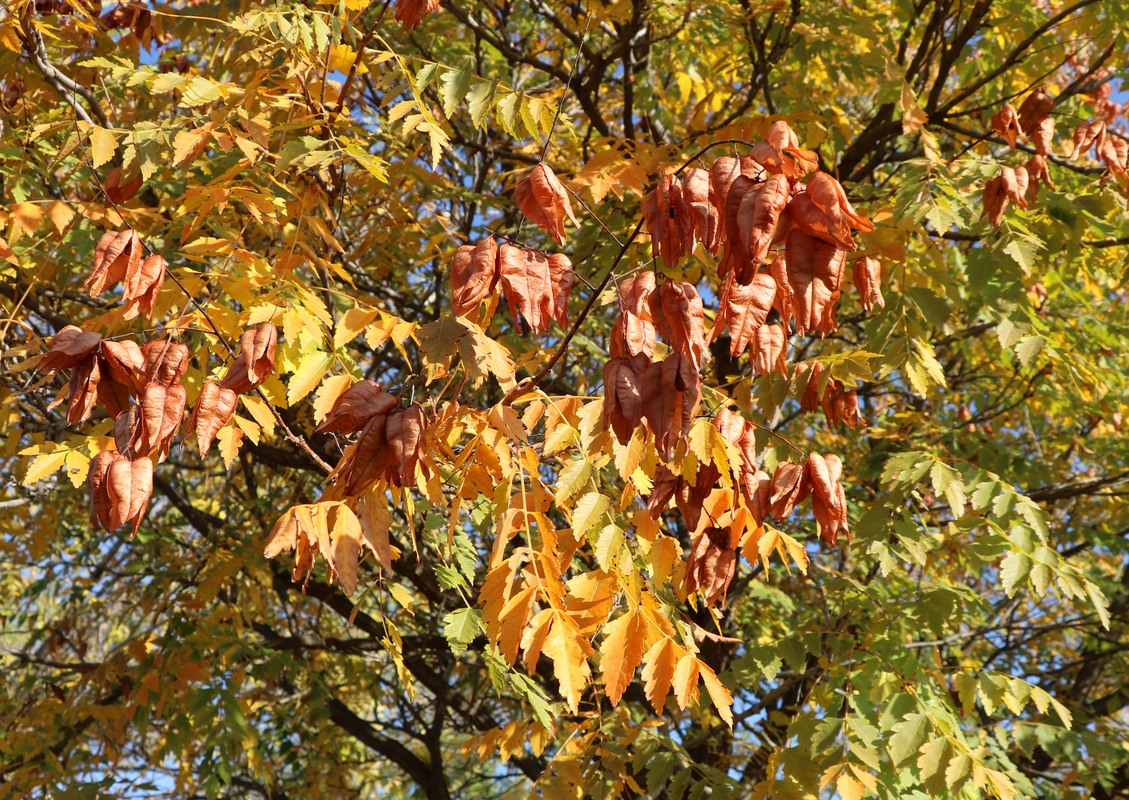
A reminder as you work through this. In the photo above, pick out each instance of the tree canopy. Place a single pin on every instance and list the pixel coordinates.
(602, 399)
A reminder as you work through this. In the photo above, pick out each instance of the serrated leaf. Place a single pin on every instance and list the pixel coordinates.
(588, 511)
(453, 87)
(103, 145)
(460, 627)
(571, 478)
(1028, 348)
(608, 545)
(309, 373)
(620, 653)
(479, 99)
(45, 464)
(908, 736)
(1014, 571)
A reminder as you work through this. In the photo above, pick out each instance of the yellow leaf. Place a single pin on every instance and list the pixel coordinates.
(685, 681)
(45, 464)
(77, 466)
(662, 555)
(103, 145)
(721, 697)
(60, 215)
(658, 670)
(352, 324)
(849, 787)
(403, 597)
(259, 412)
(310, 371)
(569, 652)
(229, 438)
(341, 59)
(10, 39)
(346, 546)
(27, 216)
(375, 521)
(328, 393)
(620, 653)
(187, 145)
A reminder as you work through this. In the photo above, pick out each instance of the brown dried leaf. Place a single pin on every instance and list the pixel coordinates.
(744, 308)
(815, 270)
(735, 259)
(840, 405)
(676, 308)
(1036, 168)
(722, 175)
(704, 221)
(999, 192)
(666, 215)
(768, 348)
(123, 362)
(664, 484)
(560, 277)
(780, 152)
(96, 490)
(258, 346)
(356, 407)
(1034, 109)
(672, 391)
(790, 486)
(474, 276)
(118, 192)
(117, 255)
(176, 401)
(758, 219)
(85, 379)
(528, 286)
(712, 564)
(405, 433)
(410, 13)
(623, 394)
(633, 332)
(1005, 122)
(829, 500)
(756, 487)
(70, 347)
(1088, 134)
(778, 269)
(128, 485)
(866, 274)
(143, 286)
(544, 201)
(366, 461)
(165, 362)
(1042, 135)
(214, 409)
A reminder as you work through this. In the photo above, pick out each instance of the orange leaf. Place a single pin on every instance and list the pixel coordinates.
(620, 653)
(544, 201)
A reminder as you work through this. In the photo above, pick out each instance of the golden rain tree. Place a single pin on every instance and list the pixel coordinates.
(603, 399)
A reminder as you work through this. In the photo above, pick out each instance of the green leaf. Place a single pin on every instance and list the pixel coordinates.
(908, 737)
(460, 627)
(1014, 571)
(453, 87)
(479, 100)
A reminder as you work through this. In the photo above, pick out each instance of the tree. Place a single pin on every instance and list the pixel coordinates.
(792, 464)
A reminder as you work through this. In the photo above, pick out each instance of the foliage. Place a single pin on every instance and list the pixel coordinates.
(794, 467)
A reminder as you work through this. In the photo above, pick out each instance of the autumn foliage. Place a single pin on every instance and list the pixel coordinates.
(489, 399)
